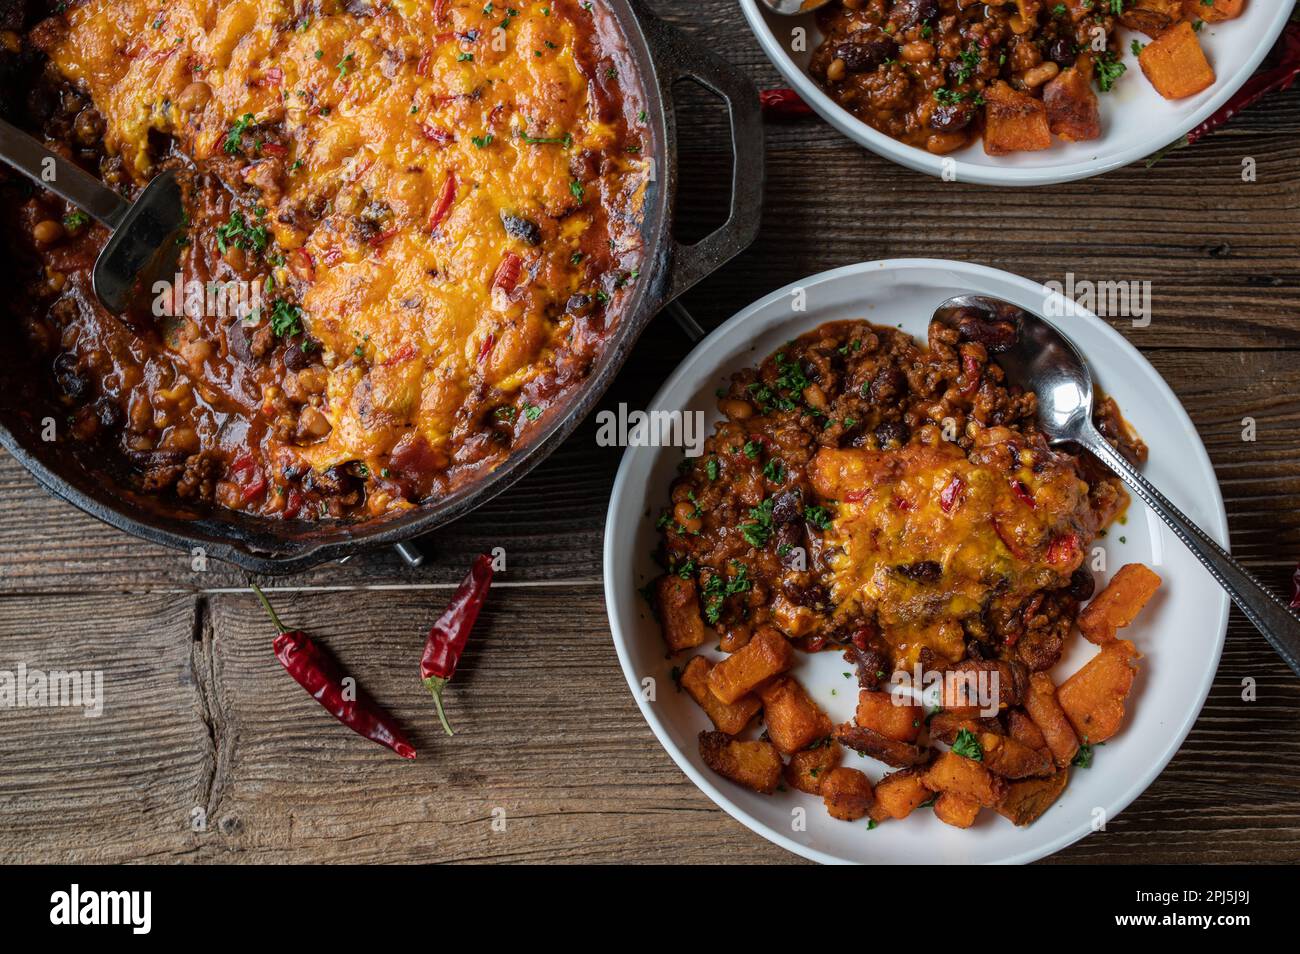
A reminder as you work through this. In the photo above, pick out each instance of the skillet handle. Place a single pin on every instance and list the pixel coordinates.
(676, 57)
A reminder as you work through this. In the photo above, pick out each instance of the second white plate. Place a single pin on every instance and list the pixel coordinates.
(1181, 633)
(1136, 120)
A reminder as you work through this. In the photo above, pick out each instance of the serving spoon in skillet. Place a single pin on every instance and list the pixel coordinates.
(1044, 361)
(144, 243)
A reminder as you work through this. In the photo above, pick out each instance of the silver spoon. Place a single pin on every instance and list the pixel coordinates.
(144, 244)
(1043, 360)
(790, 8)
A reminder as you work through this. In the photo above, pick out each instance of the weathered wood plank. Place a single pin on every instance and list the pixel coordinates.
(119, 786)
(547, 732)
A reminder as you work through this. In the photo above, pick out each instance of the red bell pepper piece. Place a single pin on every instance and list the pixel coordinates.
(450, 632)
(951, 495)
(445, 201)
(507, 273)
(1025, 495)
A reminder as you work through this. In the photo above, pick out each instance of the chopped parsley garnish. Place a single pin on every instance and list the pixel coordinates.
(969, 63)
(565, 140)
(286, 318)
(752, 448)
(532, 412)
(481, 141)
(576, 188)
(75, 219)
(774, 471)
(716, 590)
(792, 377)
(819, 517)
(1109, 70)
(344, 65)
(236, 134)
(966, 744)
(758, 528)
(237, 232)
(1083, 758)
(711, 468)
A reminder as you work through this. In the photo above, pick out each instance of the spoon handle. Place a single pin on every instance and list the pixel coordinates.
(1262, 607)
(61, 176)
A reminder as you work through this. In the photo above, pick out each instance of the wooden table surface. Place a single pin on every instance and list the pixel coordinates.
(201, 723)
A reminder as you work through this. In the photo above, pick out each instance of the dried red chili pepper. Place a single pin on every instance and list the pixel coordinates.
(1266, 81)
(783, 104)
(450, 632)
(318, 673)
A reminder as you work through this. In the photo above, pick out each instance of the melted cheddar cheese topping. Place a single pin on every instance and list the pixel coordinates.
(912, 517)
(438, 178)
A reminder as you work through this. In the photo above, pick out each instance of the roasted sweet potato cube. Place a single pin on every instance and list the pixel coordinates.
(1026, 800)
(1008, 758)
(847, 794)
(1175, 63)
(730, 718)
(807, 768)
(679, 613)
(1213, 12)
(955, 773)
(1093, 698)
(1022, 728)
(793, 720)
(945, 725)
(899, 794)
(1073, 112)
(880, 712)
(1014, 121)
(1152, 17)
(1118, 604)
(766, 655)
(755, 765)
(1041, 704)
(956, 810)
(871, 743)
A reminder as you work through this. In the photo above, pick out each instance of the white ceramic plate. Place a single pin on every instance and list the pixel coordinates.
(1180, 632)
(1136, 120)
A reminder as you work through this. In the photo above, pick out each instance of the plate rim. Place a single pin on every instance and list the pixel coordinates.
(1217, 529)
(919, 160)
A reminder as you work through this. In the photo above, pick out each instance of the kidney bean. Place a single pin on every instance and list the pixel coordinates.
(924, 571)
(888, 385)
(951, 118)
(1082, 585)
(892, 432)
(908, 13)
(863, 56)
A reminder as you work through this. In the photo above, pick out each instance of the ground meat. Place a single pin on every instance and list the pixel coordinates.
(747, 524)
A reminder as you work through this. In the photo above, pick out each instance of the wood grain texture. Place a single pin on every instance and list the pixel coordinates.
(199, 715)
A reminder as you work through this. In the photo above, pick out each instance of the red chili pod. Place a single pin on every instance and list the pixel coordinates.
(783, 104)
(450, 632)
(319, 673)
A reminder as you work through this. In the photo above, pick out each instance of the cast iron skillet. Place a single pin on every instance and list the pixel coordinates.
(662, 56)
